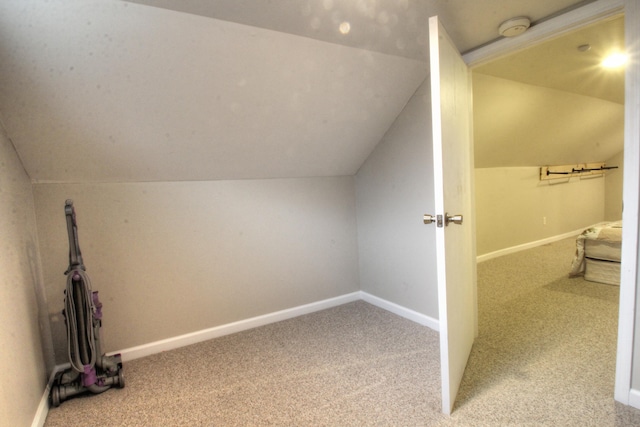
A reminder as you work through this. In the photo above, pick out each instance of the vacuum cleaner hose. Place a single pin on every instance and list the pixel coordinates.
(79, 312)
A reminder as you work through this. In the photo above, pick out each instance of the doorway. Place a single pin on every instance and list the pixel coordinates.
(570, 21)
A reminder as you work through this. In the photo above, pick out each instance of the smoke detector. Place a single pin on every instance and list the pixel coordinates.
(514, 26)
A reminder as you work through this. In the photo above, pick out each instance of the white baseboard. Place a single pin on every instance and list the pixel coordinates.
(524, 246)
(43, 408)
(634, 398)
(242, 325)
(401, 311)
(254, 322)
(231, 328)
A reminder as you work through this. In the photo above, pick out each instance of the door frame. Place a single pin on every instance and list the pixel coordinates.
(556, 27)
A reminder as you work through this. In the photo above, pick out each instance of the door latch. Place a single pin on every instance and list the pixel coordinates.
(430, 219)
(441, 220)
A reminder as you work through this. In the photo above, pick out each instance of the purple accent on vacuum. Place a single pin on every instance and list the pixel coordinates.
(89, 377)
(97, 314)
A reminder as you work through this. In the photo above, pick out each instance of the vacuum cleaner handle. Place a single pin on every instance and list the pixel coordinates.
(75, 256)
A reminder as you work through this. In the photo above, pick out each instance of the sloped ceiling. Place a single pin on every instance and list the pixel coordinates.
(395, 27)
(517, 124)
(552, 104)
(114, 91)
(559, 64)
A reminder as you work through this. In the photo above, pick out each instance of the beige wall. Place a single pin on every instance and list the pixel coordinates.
(613, 188)
(394, 189)
(174, 258)
(512, 204)
(23, 362)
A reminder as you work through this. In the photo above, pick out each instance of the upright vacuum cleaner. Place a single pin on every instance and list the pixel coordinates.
(90, 370)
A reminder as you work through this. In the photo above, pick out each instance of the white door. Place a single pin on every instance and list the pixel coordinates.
(455, 240)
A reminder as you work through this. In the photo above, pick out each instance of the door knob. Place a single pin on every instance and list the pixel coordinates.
(430, 219)
(456, 219)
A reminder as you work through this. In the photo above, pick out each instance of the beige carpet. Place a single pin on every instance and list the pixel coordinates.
(545, 356)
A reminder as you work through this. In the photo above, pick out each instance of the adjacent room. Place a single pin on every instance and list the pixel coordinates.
(238, 163)
(556, 105)
(549, 106)
(568, 110)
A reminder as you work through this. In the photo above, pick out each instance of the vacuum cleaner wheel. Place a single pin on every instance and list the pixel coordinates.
(55, 396)
(121, 378)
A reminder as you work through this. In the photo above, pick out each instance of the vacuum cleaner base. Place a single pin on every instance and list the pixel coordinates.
(69, 383)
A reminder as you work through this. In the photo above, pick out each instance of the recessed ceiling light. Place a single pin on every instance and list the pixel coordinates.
(614, 60)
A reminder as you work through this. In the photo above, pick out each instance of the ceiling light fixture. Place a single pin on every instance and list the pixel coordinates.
(614, 60)
(345, 27)
(514, 26)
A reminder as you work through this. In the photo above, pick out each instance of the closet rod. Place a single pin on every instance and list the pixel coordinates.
(578, 170)
(574, 170)
(601, 168)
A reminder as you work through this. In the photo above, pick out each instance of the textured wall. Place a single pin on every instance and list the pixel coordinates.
(511, 204)
(394, 189)
(613, 188)
(22, 359)
(175, 258)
